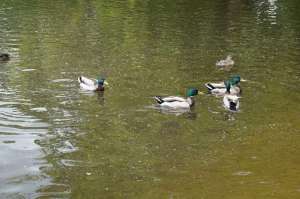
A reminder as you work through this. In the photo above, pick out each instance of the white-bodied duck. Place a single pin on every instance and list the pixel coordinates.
(231, 102)
(225, 62)
(175, 102)
(92, 84)
(229, 86)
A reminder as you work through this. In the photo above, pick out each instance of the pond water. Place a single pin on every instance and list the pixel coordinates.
(57, 141)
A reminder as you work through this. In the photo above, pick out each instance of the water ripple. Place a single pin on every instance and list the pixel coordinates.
(21, 158)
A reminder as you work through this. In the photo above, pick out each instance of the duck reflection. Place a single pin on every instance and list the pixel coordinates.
(267, 11)
(187, 113)
(229, 116)
(100, 97)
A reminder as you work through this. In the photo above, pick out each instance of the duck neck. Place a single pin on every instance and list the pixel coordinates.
(100, 87)
(190, 101)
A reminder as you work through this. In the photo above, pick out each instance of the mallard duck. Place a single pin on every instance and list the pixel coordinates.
(225, 62)
(231, 102)
(91, 84)
(175, 102)
(234, 90)
(230, 86)
(233, 80)
(4, 57)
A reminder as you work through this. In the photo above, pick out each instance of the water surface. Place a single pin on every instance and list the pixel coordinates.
(57, 141)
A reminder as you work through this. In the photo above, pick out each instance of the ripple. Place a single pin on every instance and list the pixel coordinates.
(8, 141)
(39, 109)
(62, 80)
(70, 163)
(66, 147)
(242, 173)
(28, 69)
(21, 157)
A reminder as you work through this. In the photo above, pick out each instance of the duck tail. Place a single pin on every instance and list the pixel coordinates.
(79, 79)
(209, 86)
(159, 99)
(232, 106)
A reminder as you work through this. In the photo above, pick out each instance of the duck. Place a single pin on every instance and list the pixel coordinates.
(175, 102)
(234, 90)
(229, 86)
(92, 84)
(225, 62)
(4, 56)
(231, 102)
(233, 80)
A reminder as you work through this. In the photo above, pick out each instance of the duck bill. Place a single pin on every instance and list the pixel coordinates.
(106, 83)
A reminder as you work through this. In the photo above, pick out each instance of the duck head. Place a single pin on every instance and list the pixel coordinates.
(192, 92)
(100, 82)
(235, 79)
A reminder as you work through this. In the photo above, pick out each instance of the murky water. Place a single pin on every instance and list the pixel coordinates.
(57, 141)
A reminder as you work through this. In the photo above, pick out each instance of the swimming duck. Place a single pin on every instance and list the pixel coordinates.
(231, 102)
(233, 80)
(4, 57)
(230, 86)
(225, 62)
(91, 84)
(234, 90)
(175, 102)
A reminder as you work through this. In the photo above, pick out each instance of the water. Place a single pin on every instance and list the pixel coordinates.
(57, 141)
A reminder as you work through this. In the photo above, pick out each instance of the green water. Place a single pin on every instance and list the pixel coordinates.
(57, 141)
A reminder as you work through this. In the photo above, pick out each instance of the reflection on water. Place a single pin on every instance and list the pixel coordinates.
(172, 111)
(267, 11)
(21, 158)
(57, 141)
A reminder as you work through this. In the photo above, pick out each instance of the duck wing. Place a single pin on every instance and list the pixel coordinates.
(218, 91)
(210, 86)
(88, 87)
(173, 99)
(87, 81)
(176, 105)
(87, 84)
(170, 99)
(221, 63)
